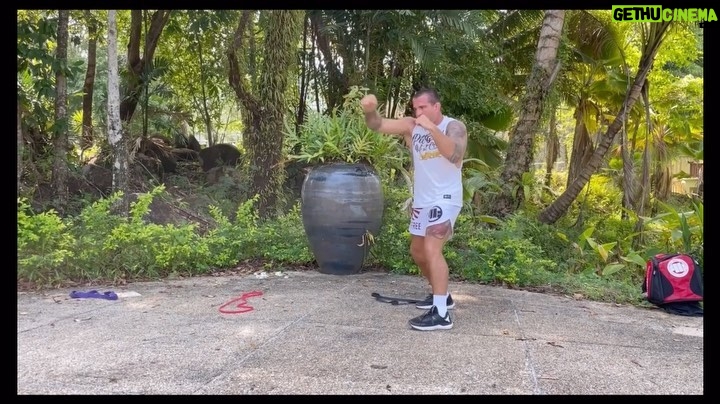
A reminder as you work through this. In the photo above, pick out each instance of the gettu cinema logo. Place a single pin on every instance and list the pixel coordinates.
(660, 13)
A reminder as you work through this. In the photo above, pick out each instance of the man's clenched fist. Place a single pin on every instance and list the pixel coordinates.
(425, 122)
(368, 103)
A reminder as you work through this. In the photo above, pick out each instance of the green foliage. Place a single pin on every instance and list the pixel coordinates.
(478, 179)
(228, 241)
(498, 255)
(35, 60)
(680, 231)
(44, 245)
(597, 261)
(198, 75)
(109, 246)
(343, 136)
(283, 240)
(98, 244)
(225, 193)
(392, 243)
(37, 67)
(90, 229)
(151, 250)
(600, 198)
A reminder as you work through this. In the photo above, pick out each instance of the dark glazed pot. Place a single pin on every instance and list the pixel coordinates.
(340, 203)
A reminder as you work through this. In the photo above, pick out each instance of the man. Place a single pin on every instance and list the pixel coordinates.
(437, 143)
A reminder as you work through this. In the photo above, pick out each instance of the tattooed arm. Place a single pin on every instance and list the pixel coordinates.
(374, 121)
(451, 144)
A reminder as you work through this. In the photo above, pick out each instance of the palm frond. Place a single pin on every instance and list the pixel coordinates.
(456, 20)
(425, 53)
(594, 38)
(514, 22)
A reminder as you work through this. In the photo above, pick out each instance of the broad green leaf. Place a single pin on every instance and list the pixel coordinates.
(635, 258)
(585, 234)
(490, 219)
(612, 268)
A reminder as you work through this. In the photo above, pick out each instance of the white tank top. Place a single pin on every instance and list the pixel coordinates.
(435, 178)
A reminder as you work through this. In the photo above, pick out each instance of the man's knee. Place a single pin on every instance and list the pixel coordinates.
(417, 250)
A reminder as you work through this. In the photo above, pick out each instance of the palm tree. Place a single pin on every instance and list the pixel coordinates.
(652, 42)
(544, 71)
(590, 80)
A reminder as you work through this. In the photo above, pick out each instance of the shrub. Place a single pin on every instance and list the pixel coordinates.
(44, 245)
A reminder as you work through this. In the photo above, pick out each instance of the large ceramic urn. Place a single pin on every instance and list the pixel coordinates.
(341, 203)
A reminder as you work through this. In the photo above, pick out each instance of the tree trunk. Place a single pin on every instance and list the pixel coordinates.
(552, 147)
(582, 147)
(263, 136)
(203, 92)
(252, 59)
(629, 186)
(560, 206)
(337, 81)
(519, 155)
(115, 126)
(136, 64)
(396, 79)
(19, 147)
(304, 61)
(265, 143)
(86, 140)
(633, 142)
(60, 138)
(640, 201)
(316, 74)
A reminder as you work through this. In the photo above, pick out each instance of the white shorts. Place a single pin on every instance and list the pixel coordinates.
(422, 218)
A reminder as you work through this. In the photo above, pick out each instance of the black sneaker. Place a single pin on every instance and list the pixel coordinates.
(432, 321)
(428, 303)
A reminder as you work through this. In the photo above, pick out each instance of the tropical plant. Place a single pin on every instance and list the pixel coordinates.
(682, 230)
(343, 136)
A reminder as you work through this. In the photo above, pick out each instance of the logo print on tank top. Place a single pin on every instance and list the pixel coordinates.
(424, 146)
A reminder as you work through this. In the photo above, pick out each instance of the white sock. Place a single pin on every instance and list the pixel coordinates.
(440, 301)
